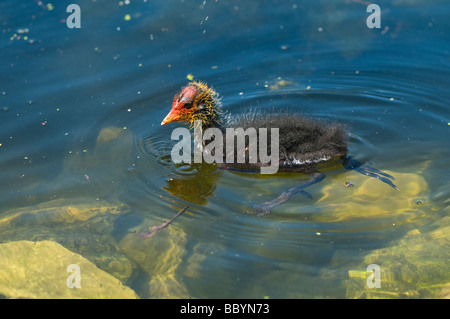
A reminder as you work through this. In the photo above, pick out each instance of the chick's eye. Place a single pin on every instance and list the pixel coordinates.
(187, 105)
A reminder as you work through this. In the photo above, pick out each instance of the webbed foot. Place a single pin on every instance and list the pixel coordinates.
(362, 168)
(260, 209)
(264, 209)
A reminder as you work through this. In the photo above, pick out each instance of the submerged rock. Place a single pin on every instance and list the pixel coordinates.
(97, 230)
(84, 226)
(414, 267)
(369, 198)
(65, 211)
(39, 270)
(159, 256)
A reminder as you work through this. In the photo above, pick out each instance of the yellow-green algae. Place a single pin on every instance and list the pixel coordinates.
(86, 225)
(39, 270)
(159, 256)
(61, 211)
(369, 198)
(415, 266)
(82, 225)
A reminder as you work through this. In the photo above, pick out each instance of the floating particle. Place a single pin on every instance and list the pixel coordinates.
(84, 151)
(279, 83)
(318, 234)
(349, 184)
(392, 99)
(356, 72)
(320, 29)
(308, 87)
(22, 31)
(127, 17)
(50, 7)
(5, 108)
(283, 83)
(140, 65)
(0, 144)
(214, 67)
(190, 77)
(284, 47)
(86, 176)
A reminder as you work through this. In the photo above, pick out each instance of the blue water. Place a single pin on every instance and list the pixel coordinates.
(61, 87)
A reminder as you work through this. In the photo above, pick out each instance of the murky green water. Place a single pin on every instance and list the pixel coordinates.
(85, 163)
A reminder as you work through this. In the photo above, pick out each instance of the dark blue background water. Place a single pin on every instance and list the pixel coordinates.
(60, 87)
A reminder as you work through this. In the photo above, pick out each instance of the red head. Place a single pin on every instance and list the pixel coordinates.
(183, 106)
(196, 101)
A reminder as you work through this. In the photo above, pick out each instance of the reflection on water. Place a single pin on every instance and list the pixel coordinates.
(86, 164)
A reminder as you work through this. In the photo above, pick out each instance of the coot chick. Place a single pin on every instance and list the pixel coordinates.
(304, 143)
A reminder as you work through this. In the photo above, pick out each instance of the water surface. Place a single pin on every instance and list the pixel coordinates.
(80, 114)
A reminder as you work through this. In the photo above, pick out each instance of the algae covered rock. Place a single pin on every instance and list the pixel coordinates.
(60, 211)
(84, 226)
(414, 267)
(40, 270)
(159, 256)
(369, 198)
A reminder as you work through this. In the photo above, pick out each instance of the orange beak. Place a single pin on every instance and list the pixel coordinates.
(174, 114)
